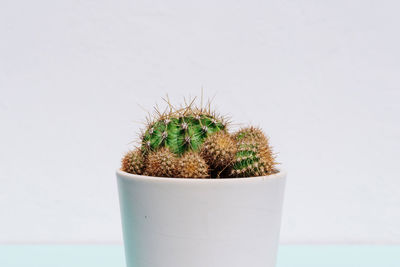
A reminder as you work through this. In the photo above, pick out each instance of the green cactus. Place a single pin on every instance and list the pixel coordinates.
(181, 131)
(192, 165)
(133, 162)
(161, 163)
(254, 156)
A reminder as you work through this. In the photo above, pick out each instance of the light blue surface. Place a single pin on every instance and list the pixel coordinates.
(113, 256)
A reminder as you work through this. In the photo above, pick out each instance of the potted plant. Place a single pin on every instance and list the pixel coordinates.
(194, 195)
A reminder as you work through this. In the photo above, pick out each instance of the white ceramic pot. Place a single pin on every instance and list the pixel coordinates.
(177, 222)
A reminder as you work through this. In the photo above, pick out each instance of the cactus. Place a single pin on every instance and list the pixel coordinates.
(192, 165)
(254, 156)
(161, 163)
(133, 162)
(219, 150)
(192, 142)
(181, 131)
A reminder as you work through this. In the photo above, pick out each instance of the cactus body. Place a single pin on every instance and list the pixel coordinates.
(192, 165)
(161, 163)
(180, 132)
(254, 156)
(219, 150)
(133, 162)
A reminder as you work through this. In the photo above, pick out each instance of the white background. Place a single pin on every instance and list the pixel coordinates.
(320, 77)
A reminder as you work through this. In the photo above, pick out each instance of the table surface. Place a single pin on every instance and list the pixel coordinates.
(113, 256)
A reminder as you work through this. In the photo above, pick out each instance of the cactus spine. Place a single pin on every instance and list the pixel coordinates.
(181, 131)
(161, 163)
(254, 156)
(133, 162)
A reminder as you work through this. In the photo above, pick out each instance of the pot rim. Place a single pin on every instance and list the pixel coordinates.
(129, 176)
